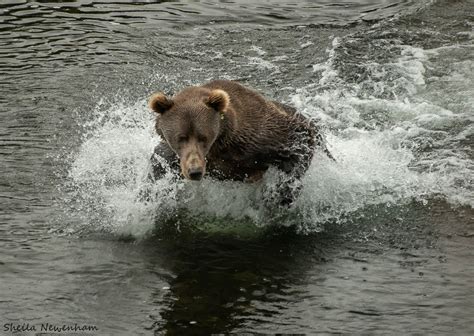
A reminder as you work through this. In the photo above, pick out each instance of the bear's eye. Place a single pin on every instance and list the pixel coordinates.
(182, 138)
(202, 138)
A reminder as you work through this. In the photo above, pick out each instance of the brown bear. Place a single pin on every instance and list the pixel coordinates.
(232, 133)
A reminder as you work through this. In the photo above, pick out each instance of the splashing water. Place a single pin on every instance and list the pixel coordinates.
(388, 150)
(392, 140)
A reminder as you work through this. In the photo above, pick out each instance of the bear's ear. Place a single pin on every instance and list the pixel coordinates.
(160, 103)
(218, 100)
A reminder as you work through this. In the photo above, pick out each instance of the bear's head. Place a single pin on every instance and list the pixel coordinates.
(190, 123)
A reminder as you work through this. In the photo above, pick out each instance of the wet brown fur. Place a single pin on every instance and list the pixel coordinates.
(235, 129)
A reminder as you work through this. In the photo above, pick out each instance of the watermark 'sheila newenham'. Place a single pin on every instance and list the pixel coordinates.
(48, 327)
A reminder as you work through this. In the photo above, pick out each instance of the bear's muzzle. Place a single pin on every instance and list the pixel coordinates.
(193, 166)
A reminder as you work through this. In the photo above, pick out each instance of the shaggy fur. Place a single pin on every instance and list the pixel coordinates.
(233, 133)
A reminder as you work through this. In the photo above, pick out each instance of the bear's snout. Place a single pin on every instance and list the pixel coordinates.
(195, 173)
(193, 166)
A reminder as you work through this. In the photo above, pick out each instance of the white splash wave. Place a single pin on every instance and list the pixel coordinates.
(388, 151)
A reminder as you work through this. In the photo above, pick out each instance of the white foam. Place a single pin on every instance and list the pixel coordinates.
(389, 132)
(262, 64)
(108, 171)
(258, 50)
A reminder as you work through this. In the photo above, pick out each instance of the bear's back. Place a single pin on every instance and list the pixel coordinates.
(247, 103)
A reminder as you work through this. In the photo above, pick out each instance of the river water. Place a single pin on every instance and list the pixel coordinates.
(380, 242)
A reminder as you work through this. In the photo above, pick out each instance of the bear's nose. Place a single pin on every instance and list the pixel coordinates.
(195, 173)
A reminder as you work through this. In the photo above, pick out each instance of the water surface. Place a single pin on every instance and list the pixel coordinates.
(380, 241)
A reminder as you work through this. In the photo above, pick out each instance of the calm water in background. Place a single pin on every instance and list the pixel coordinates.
(380, 241)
